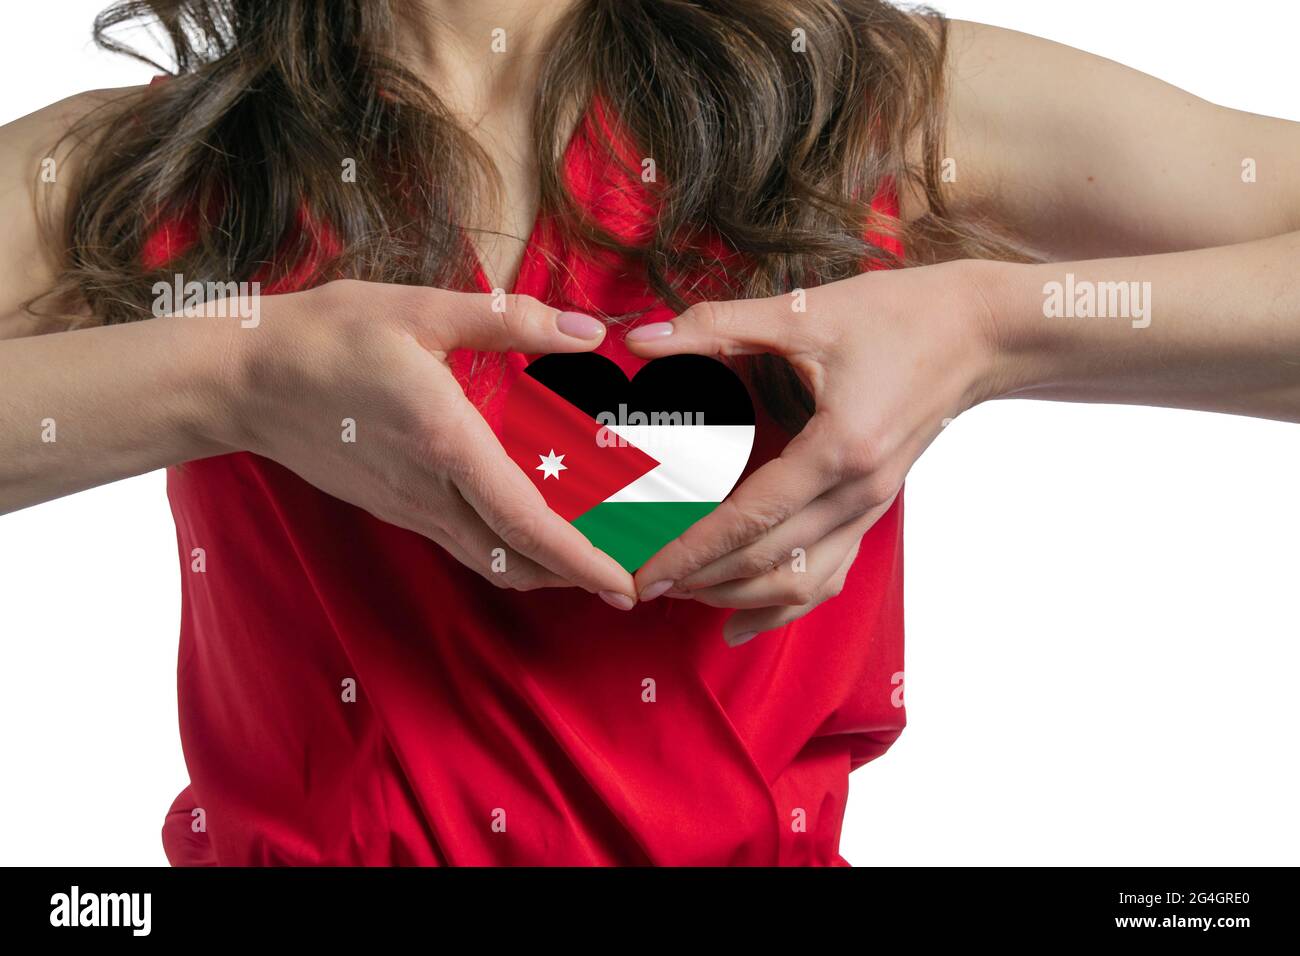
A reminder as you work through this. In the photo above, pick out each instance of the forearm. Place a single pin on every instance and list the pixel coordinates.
(83, 408)
(1212, 329)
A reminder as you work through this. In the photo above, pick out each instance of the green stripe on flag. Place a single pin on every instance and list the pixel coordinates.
(630, 532)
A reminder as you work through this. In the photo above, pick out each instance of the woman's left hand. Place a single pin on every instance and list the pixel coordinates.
(890, 357)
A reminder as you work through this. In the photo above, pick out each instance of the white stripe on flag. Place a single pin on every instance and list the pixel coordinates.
(696, 462)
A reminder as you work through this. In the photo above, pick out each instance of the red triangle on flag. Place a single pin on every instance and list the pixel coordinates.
(538, 427)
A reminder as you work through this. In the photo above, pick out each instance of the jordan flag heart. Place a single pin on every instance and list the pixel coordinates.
(631, 464)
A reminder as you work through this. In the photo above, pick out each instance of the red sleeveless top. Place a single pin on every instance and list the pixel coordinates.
(498, 727)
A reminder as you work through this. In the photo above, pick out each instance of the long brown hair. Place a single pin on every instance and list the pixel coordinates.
(772, 140)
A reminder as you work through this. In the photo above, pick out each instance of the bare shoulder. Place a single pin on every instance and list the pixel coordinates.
(32, 146)
(39, 154)
(1080, 156)
(985, 69)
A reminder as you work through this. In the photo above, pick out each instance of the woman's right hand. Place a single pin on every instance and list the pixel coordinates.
(423, 457)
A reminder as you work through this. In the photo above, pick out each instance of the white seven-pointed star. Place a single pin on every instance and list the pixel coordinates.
(551, 465)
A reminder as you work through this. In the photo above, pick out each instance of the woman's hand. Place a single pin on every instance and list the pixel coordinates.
(890, 357)
(768, 601)
(423, 458)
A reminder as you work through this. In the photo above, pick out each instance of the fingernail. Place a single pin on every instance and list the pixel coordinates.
(579, 326)
(651, 332)
(737, 639)
(618, 600)
(656, 589)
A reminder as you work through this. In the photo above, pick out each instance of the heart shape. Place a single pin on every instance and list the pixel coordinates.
(632, 464)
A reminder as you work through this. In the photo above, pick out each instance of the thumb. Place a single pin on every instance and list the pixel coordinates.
(735, 327)
(512, 323)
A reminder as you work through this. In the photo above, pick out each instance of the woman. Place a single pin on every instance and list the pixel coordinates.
(391, 650)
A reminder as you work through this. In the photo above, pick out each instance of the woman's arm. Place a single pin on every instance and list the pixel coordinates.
(81, 408)
(1080, 157)
(1219, 329)
(85, 408)
(892, 357)
(88, 407)
(1076, 157)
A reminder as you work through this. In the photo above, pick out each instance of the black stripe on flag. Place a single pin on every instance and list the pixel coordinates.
(678, 383)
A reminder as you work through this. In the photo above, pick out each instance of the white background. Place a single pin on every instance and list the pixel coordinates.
(1102, 602)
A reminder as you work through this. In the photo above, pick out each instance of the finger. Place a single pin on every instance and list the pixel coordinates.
(505, 323)
(514, 509)
(736, 327)
(780, 488)
(793, 583)
(850, 503)
(478, 548)
(744, 626)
